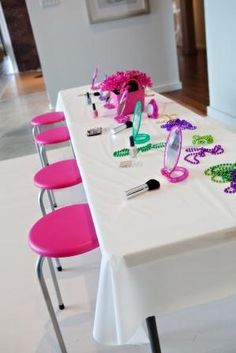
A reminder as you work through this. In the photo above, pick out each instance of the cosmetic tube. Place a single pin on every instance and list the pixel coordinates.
(95, 112)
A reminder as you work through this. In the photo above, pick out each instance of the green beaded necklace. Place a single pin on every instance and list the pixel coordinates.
(125, 151)
(221, 173)
(202, 140)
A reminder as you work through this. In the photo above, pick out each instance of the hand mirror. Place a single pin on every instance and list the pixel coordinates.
(171, 157)
(122, 103)
(94, 79)
(152, 109)
(137, 118)
(121, 118)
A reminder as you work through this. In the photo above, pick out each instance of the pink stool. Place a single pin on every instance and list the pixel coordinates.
(48, 118)
(59, 175)
(68, 231)
(44, 120)
(49, 137)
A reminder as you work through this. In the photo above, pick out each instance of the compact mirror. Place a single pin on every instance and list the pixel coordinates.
(137, 118)
(171, 157)
(152, 109)
(121, 118)
(122, 103)
(94, 79)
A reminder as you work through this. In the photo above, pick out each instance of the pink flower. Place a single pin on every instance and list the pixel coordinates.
(119, 79)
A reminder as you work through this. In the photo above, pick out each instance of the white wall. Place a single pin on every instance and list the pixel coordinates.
(70, 47)
(221, 52)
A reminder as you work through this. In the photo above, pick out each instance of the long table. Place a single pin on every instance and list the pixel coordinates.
(163, 250)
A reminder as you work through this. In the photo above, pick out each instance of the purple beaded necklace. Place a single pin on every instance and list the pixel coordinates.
(183, 124)
(196, 152)
(232, 188)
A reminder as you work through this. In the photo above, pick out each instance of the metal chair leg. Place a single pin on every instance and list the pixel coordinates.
(41, 203)
(43, 210)
(153, 334)
(58, 265)
(43, 155)
(56, 286)
(39, 271)
(44, 161)
(53, 199)
(36, 131)
(72, 148)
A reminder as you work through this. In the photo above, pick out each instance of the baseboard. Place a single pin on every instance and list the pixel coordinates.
(227, 119)
(168, 87)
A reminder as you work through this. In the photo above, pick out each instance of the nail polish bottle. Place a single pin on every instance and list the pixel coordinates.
(95, 112)
(133, 149)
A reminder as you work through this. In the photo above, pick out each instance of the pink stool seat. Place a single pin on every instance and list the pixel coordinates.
(54, 135)
(58, 175)
(48, 118)
(68, 231)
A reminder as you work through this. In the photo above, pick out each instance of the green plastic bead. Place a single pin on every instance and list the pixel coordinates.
(125, 151)
(202, 140)
(221, 173)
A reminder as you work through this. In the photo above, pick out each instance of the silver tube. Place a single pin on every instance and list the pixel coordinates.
(136, 191)
(117, 129)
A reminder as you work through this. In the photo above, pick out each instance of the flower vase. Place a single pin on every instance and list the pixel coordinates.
(132, 99)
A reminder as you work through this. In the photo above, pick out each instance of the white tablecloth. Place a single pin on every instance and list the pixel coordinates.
(163, 250)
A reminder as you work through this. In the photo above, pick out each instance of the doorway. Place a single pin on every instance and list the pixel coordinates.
(20, 72)
(22, 90)
(192, 56)
(8, 63)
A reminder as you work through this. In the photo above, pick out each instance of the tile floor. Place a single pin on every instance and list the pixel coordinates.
(15, 130)
(21, 84)
(24, 322)
(21, 97)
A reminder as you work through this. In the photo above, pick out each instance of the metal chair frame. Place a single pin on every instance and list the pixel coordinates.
(39, 272)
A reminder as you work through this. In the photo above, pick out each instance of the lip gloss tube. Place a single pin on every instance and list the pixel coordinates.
(95, 112)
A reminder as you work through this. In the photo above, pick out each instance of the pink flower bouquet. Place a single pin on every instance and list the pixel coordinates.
(118, 80)
(134, 81)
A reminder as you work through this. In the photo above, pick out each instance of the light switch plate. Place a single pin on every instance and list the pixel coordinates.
(48, 3)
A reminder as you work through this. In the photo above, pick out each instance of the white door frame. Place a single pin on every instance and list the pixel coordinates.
(7, 42)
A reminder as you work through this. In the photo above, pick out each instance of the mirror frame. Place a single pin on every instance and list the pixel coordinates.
(154, 114)
(183, 172)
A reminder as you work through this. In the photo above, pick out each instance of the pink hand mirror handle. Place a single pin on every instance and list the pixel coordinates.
(94, 79)
(120, 117)
(152, 109)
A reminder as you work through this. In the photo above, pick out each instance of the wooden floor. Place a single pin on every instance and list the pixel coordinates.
(193, 75)
(22, 84)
